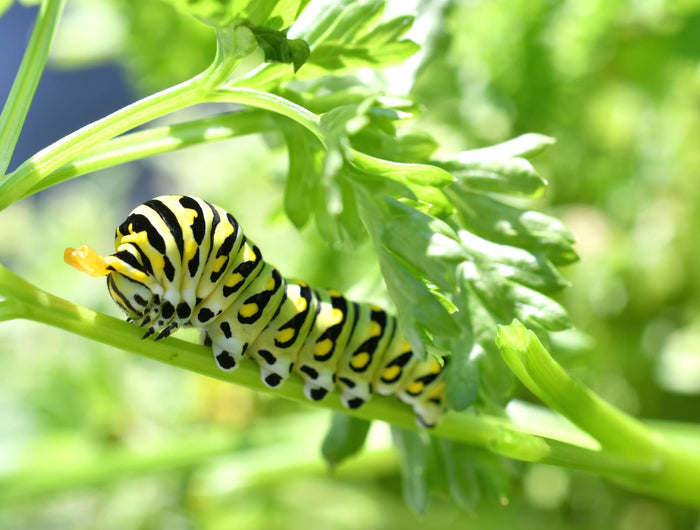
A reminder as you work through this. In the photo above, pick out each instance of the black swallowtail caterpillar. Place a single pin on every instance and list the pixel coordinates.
(181, 261)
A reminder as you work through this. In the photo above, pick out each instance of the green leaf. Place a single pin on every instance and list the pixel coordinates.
(423, 243)
(515, 264)
(413, 449)
(415, 147)
(505, 298)
(299, 52)
(278, 48)
(274, 14)
(421, 174)
(462, 374)
(513, 176)
(345, 35)
(537, 309)
(345, 437)
(345, 58)
(355, 19)
(462, 474)
(303, 173)
(418, 307)
(474, 474)
(509, 225)
(339, 20)
(526, 145)
(388, 31)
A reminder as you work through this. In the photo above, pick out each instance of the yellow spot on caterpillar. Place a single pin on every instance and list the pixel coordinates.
(435, 367)
(415, 388)
(86, 260)
(228, 228)
(405, 346)
(248, 254)
(334, 293)
(248, 310)
(285, 335)
(437, 391)
(336, 317)
(375, 307)
(360, 360)
(190, 249)
(270, 285)
(301, 304)
(323, 347)
(189, 215)
(233, 279)
(223, 230)
(137, 238)
(219, 263)
(374, 329)
(390, 373)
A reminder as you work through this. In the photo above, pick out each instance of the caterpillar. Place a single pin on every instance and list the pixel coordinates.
(181, 261)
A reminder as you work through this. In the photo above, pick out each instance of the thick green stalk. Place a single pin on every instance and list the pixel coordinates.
(672, 473)
(27, 79)
(675, 468)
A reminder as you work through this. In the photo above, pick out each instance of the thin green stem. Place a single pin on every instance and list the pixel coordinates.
(30, 175)
(158, 140)
(274, 103)
(27, 79)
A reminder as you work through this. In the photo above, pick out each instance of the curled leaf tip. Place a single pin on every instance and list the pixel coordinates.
(514, 334)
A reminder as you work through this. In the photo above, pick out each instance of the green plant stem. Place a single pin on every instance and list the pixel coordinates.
(673, 474)
(27, 79)
(42, 164)
(29, 176)
(272, 102)
(676, 468)
(158, 140)
(532, 364)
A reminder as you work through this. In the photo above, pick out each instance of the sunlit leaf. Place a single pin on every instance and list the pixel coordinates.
(513, 176)
(501, 223)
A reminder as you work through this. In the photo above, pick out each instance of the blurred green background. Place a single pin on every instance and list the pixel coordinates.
(92, 437)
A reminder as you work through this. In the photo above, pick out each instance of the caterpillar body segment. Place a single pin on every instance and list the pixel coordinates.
(181, 261)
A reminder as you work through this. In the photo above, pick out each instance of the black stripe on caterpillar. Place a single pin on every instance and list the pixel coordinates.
(181, 261)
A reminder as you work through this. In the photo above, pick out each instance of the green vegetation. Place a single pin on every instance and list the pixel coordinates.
(406, 177)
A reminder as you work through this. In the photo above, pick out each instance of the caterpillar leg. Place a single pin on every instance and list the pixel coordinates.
(277, 346)
(372, 336)
(225, 359)
(319, 355)
(241, 323)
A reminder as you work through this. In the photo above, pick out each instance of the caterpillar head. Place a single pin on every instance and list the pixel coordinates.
(128, 286)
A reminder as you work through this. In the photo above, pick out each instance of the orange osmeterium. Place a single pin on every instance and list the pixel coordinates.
(86, 260)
